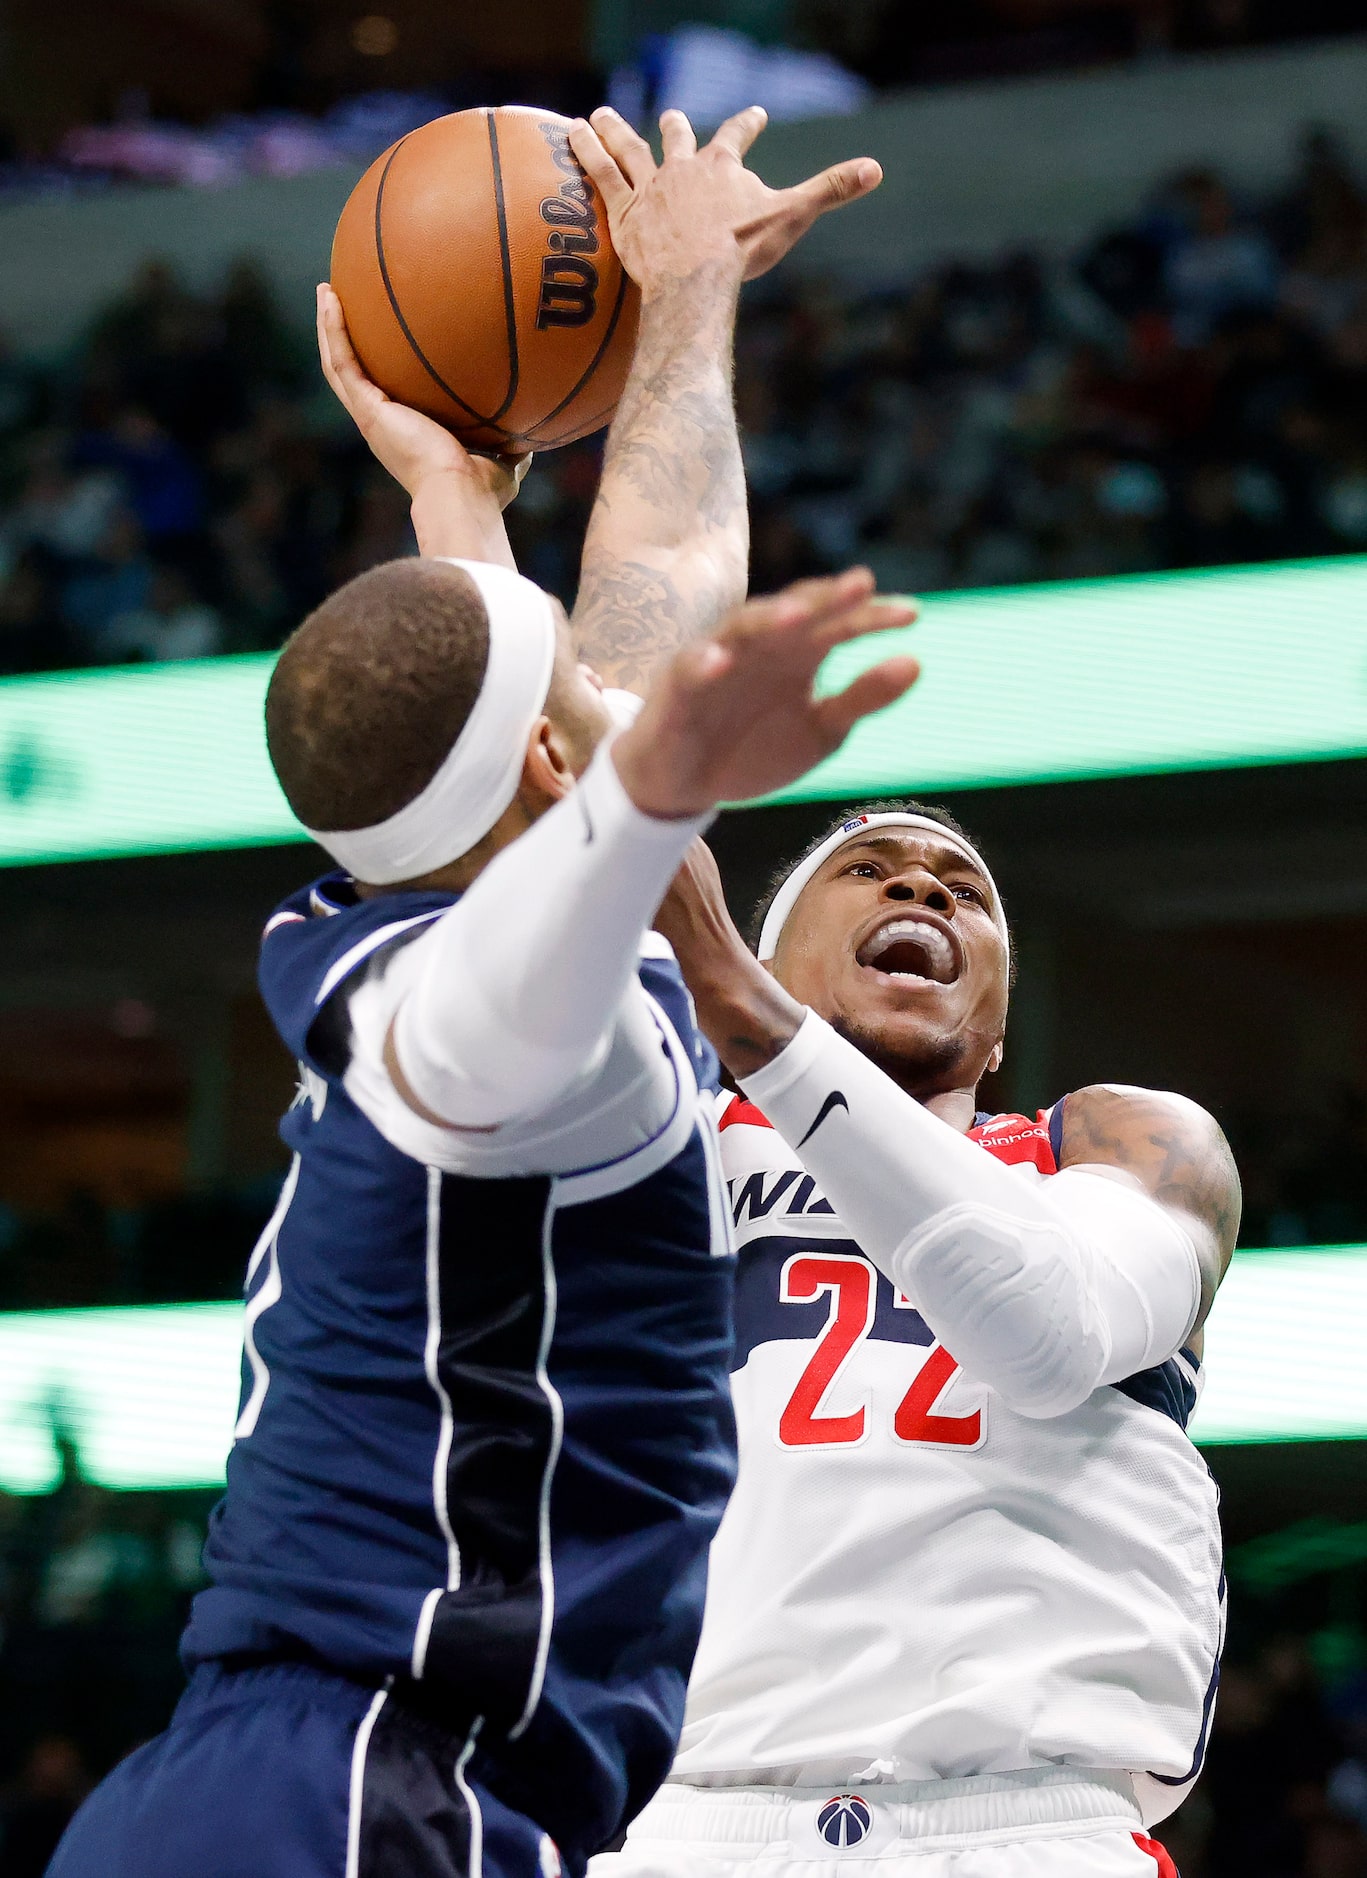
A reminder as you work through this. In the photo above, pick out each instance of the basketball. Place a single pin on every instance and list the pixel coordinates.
(479, 283)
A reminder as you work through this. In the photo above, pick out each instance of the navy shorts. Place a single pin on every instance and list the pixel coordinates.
(289, 1772)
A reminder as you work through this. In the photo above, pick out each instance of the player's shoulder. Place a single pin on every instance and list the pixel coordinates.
(317, 939)
(1170, 1145)
(1106, 1116)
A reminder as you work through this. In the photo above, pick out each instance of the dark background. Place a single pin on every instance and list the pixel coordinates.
(172, 485)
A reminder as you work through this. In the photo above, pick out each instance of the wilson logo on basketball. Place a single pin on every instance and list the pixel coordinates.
(569, 282)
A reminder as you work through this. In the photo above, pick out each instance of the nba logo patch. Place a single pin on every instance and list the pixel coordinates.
(844, 1821)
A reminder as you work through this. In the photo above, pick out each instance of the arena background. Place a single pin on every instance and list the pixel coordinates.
(1090, 370)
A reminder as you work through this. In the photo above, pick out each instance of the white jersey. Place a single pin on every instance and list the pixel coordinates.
(915, 1582)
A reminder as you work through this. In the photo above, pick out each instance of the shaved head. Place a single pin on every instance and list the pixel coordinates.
(372, 691)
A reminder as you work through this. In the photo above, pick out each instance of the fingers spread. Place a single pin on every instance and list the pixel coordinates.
(842, 183)
(857, 621)
(873, 690)
(803, 602)
(631, 152)
(599, 166)
(676, 136)
(739, 132)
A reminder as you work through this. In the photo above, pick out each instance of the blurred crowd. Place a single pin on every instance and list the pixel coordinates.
(1189, 390)
(94, 1588)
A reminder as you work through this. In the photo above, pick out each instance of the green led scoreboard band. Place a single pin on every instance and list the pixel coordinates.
(1030, 684)
(147, 1397)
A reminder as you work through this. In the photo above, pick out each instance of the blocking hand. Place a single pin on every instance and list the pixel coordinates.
(700, 206)
(734, 715)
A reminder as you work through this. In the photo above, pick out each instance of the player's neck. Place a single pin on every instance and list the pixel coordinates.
(958, 1107)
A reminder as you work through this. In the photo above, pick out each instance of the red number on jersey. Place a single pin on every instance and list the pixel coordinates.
(850, 1284)
(914, 1421)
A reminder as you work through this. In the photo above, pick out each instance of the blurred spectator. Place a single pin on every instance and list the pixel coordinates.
(1217, 264)
(1190, 391)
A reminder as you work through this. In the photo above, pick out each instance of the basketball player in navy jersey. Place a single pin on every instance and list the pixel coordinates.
(966, 1605)
(485, 1433)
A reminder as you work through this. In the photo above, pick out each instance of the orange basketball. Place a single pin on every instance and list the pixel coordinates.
(479, 284)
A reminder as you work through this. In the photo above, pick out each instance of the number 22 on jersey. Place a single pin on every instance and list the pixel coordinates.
(850, 1283)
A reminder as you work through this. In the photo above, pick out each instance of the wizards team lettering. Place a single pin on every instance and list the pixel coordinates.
(569, 280)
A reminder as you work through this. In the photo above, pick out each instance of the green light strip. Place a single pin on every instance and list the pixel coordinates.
(150, 1395)
(1029, 684)
(1216, 669)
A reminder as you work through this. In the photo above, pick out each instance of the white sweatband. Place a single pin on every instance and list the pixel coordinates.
(516, 990)
(855, 830)
(479, 775)
(1042, 1289)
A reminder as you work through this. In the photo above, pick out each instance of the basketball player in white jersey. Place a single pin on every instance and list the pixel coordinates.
(966, 1606)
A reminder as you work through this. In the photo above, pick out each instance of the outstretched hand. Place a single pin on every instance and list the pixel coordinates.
(734, 715)
(698, 206)
(415, 449)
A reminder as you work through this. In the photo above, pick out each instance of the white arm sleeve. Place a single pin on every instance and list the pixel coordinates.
(516, 993)
(1043, 1291)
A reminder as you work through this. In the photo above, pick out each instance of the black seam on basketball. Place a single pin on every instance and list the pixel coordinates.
(404, 327)
(597, 358)
(586, 429)
(509, 310)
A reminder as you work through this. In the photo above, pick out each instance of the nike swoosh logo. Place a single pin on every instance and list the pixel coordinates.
(835, 1100)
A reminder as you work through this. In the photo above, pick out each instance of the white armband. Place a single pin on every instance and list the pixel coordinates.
(516, 991)
(1045, 1291)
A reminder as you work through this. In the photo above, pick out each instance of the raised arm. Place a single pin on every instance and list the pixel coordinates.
(1045, 1291)
(667, 548)
(514, 993)
(457, 499)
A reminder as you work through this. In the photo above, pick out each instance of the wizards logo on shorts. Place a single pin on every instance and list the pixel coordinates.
(845, 1820)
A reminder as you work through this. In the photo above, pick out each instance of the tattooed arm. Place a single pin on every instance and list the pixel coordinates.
(1172, 1150)
(1045, 1290)
(668, 542)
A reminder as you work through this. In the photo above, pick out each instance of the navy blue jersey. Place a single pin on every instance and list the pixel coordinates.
(486, 1432)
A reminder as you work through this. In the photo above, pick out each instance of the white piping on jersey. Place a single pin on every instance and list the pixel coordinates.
(422, 1635)
(431, 1353)
(467, 1793)
(277, 920)
(1195, 1373)
(595, 1183)
(720, 1236)
(267, 1294)
(356, 1791)
(364, 947)
(549, 1299)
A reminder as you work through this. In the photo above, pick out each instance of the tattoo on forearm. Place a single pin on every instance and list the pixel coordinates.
(672, 495)
(1177, 1153)
(629, 614)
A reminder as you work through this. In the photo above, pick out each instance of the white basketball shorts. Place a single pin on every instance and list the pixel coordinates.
(1046, 1822)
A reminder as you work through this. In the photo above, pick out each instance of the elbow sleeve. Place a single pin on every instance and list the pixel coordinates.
(1044, 1290)
(515, 993)
(1048, 1302)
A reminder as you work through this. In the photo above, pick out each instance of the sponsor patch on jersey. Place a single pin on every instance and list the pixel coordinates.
(844, 1821)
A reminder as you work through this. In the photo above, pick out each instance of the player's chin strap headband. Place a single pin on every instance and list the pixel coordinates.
(479, 775)
(855, 830)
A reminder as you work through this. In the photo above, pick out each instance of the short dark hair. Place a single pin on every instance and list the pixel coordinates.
(895, 807)
(371, 692)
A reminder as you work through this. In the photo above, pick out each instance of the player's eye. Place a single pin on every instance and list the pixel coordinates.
(866, 870)
(964, 890)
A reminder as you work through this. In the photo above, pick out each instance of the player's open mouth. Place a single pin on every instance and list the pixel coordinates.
(913, 948)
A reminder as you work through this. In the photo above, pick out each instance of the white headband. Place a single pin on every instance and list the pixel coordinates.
(478, 776)
(787, 896)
